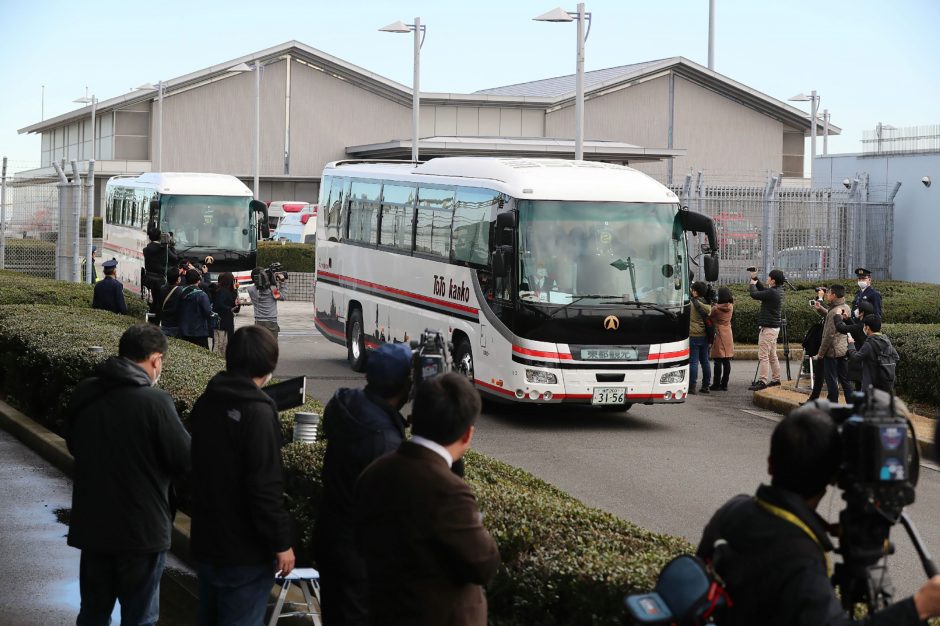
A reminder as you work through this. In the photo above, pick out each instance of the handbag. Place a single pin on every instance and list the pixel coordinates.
(706, 320)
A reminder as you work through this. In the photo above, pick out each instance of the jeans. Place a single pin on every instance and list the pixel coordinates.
(767, 355)
(837, 373)
(234, 595)
(131, 579)
(698, 353)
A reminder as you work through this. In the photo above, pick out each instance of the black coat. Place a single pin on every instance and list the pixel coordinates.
(771, 303)
(776, 574)
(158, 259)
(109, 296)
(128, 442)
(238, 479)
(857, 330)
(224, 304)
(359, 427)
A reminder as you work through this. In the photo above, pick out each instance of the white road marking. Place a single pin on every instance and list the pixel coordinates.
(767, 415)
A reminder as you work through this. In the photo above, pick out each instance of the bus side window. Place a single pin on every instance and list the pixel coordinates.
(473, 211)
(364, 211)
(434, 220)
(336, 225)
(397, 216)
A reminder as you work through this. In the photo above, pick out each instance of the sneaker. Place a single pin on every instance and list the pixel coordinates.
(692, 390)
(774, 383)
(704, 390)
(757, 386)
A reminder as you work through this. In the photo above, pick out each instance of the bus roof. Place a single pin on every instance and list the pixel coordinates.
(187, 183)
(535, 179)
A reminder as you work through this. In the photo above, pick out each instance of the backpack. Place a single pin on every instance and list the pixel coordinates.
(884, 372)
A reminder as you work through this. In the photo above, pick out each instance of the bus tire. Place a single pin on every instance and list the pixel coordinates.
(356, 342)
(463, 358)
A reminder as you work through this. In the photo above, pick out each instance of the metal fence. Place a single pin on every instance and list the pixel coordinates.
(808, 233)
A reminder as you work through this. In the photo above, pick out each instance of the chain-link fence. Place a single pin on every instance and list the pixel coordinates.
(30, 225)
(810, 234)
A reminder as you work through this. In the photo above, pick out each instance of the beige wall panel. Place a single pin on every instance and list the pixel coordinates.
(489, 122)
(425, 122)
(131, 148)
(727, 141)
(533, 123)
(468, 121)
(445, 121)
(328, 114)
(510, 122)
(211, 128)
(132, 123)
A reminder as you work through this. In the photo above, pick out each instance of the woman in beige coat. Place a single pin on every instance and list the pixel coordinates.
(723, 348)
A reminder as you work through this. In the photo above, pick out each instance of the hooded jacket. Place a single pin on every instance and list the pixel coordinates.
(359, 427)
(128, 442)
(238, 479)
(195, 311)
(866, 358)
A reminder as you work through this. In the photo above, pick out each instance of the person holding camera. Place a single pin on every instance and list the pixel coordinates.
(834, 346)
(359, 426)
(698, 338)
(771, 549)
(241, 530)
(195, 311)
(854, 328)
(159, 257)
(426, 551)
(264, 296)
(769, 320)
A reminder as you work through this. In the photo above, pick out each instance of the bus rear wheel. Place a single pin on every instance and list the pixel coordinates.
(356, 342)
(463, 358)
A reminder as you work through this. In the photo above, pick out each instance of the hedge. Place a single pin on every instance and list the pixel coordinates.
(919, 368)
(563, 562)
(17, 288)
(295, 257)
(97, 226)
(30, 256)
(909, 303)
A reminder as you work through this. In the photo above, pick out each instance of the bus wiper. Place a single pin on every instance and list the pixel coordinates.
(646, 305)
(240, 253)
(579, 299)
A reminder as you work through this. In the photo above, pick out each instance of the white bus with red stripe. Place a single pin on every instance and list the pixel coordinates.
(209, 215)
(556, 281)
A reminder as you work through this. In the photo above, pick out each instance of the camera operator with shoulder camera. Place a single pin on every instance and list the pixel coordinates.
(159, 257)
(769, 320)
(772, 549)
(264, 293)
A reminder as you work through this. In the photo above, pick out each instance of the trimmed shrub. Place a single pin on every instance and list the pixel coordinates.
(96, 227)
(563, 562)
(919, 367)
(295, 257)
(30, 256)
(16, 288)
(910, 303)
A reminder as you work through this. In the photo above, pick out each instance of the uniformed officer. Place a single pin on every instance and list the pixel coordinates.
(94, 272)
(109, 293)
(866, 291)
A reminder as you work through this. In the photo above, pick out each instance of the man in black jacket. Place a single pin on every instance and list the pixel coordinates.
(772, 549)
(768, 319)
(360, 425)
(128, 442)
(241, 532)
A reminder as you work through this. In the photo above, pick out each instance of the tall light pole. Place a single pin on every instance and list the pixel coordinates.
(560, 15)
(257, 67)
(711, 35)
(814, 98)
(420, 30)
(825, 117)
(90, 198)
(879, 132)
(160, 89)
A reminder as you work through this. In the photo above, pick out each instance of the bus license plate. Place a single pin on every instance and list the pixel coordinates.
(609, 395)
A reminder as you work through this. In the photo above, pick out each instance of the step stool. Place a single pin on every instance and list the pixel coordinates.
(807, 365)
(308, 579)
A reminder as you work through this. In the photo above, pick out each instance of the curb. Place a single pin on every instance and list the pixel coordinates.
(781, 400)
(52, 448)
(748, 352)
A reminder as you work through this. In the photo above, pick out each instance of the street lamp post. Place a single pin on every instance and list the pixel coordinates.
(257, 67)
(879, 131)
(825, 117)
(814, 99)
(90, 198)
(420, 30)
(160, 89)
(581, 16)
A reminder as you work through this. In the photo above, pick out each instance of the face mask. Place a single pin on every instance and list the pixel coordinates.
(267, 379)
(856, 313)
(157, 378)
(541, 272)
(862, 284)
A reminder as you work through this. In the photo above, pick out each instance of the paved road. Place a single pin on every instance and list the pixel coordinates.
(664, 468)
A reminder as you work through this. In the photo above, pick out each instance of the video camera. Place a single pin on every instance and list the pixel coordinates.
(269, 277)
(167, 239)
(431, 356)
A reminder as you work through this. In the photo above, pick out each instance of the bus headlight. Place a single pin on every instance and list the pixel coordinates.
(671, 378)
(540, 377)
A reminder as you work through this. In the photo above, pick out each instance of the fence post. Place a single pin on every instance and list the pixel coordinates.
(889, 243)
(76, 273)
(768, 246)
(3, 215)
(63, 185)
(89, 218)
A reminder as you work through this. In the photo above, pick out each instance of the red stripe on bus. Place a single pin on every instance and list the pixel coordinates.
(669, 355)
(400, 292)
(326, 329)
(126, 251)
(480, 383)
(539, 353)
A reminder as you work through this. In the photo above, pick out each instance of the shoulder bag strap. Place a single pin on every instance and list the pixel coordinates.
(167, 299)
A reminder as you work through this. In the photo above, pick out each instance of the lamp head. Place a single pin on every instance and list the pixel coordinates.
(555, 15)
(396, 27)
(84, 100)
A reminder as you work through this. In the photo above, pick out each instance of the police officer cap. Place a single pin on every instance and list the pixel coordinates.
(109, 264)
(392, 361)
(861, 272)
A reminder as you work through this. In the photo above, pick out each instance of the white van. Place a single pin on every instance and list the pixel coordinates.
(280, 208)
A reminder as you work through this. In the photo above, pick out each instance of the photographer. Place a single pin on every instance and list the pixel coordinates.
(264, 296)
(835, 346)
(772, 548)
(768, 319)
(856, 334)
(159, 257)
(359, 425)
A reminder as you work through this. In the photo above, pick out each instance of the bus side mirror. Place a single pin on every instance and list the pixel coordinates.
(699, 223)
(502, 261)
(506, 224)
(711, 267)
(260, 207)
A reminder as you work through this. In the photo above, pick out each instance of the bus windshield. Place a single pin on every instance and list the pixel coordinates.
(595, 252)
(207, 221)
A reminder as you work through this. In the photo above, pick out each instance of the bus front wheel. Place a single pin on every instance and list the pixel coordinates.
(356, 342)
(463, 358)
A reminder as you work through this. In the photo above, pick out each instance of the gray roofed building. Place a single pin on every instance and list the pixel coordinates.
(562, 85)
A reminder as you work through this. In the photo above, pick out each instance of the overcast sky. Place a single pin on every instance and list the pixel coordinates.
(870, 60)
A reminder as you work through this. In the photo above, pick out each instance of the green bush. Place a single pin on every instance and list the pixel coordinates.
(16, 288)
(919, 367)
(563, 562)
(295, 257)
(910, 303)
(96, 227)
(30, 256)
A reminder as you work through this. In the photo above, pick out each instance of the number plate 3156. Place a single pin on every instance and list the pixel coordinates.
(609, 395)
